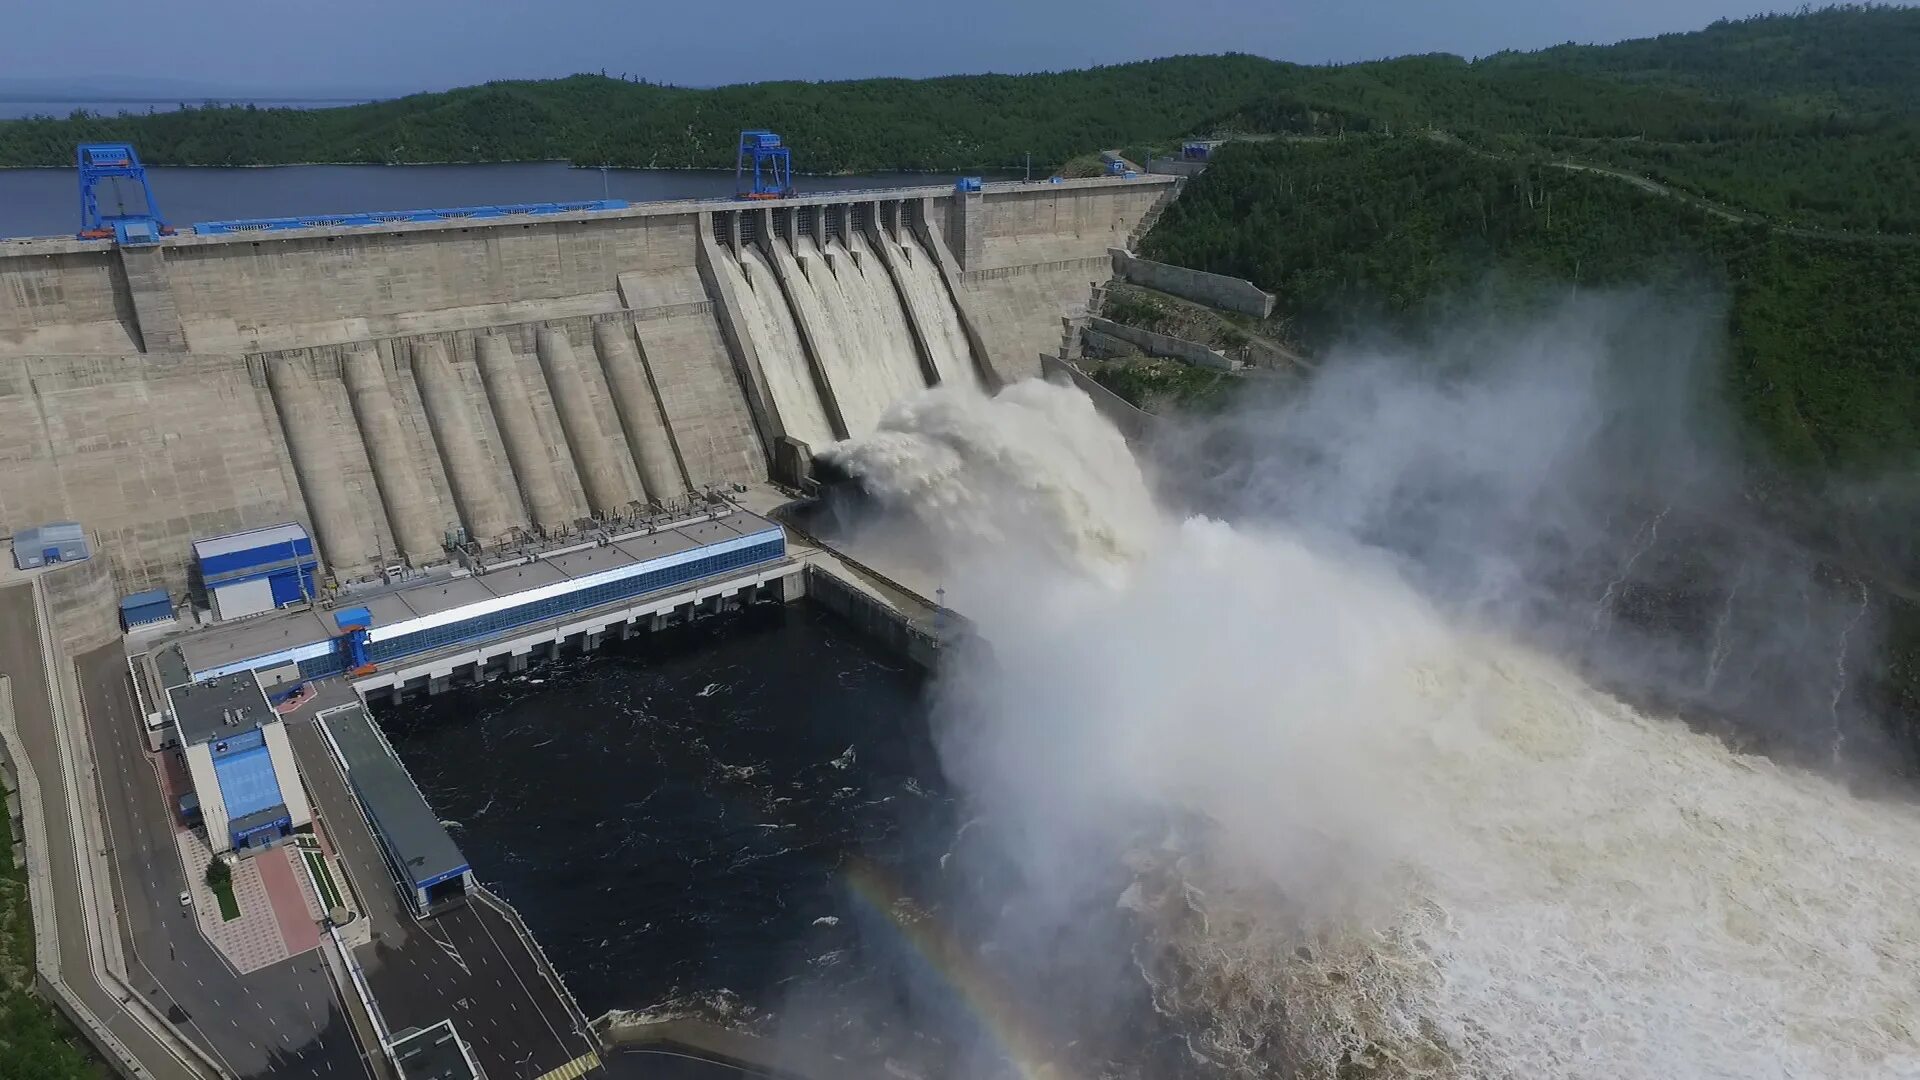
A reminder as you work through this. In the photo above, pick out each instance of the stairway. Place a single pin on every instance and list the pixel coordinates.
(1152, 216)
(1073, 322)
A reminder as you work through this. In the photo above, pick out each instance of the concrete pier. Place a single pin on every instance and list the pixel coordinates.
(639, 411)
(318, 468)
(600, 473)
(533, 466)
(395, 471)
(483, 507)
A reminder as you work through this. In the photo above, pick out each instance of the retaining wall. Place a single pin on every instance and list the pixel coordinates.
(1159, 344)
(1135, 424)
(1213, 290)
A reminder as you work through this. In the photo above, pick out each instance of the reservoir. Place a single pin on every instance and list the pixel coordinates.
(43, 202)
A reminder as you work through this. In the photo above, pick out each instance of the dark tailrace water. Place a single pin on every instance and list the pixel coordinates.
(743, 822)
(677, 817)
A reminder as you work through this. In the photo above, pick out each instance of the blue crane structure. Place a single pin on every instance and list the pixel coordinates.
(99, 162)
(771, 167)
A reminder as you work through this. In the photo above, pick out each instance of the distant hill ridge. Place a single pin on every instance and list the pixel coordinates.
(1808, 117)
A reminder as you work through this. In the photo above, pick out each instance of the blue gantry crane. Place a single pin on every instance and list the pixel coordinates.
(766, 163)
(100, 162)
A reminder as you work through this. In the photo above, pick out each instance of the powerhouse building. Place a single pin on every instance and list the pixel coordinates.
(383, 629)
(245, 787)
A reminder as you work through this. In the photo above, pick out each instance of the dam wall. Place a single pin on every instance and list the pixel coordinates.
(404, 388)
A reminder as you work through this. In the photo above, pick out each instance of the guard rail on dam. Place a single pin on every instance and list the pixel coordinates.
(409, 386)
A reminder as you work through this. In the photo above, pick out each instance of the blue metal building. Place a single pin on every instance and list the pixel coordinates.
(141, 608)
(246, 573)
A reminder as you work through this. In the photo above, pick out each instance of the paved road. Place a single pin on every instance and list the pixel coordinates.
(20, 658)
(280, 1021)
(467, 965)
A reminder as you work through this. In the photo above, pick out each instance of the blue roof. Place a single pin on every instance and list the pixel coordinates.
(141, 599)
(355, 616)
(245, 771)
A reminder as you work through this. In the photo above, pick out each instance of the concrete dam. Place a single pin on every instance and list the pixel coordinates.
(406, 388)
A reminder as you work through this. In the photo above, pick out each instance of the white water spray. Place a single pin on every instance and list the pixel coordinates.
(1428, 850)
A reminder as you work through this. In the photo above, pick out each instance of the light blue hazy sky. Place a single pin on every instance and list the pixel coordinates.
(264, 47)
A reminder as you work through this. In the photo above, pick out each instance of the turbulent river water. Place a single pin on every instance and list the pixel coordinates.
(1200, 798)
(1368, 837)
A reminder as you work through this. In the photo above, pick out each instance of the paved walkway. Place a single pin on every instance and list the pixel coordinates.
(287, 890)
(276, 917)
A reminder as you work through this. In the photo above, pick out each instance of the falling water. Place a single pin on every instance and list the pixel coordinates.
(952, 357)
(777, 341)
(846, 336)
(871, 289)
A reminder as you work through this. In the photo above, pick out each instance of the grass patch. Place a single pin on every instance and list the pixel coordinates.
(35, 1041)
(329, 893)
(1157, 384)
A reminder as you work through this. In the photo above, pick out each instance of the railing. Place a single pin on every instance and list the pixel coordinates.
(397, 217)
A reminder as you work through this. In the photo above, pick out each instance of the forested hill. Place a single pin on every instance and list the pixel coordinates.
(1811, 118)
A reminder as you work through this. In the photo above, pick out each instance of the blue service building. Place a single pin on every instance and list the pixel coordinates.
(245, 787)
(432, 873)
(246, 573)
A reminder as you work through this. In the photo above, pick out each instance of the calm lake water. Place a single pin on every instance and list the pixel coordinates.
(46, 202)
(12, 108)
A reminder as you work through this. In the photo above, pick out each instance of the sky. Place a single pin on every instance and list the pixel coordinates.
(375, 47)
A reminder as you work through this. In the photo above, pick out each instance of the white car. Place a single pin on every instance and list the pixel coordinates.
(186, 899)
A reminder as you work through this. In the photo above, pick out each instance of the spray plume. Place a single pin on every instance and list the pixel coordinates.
(1327, 761)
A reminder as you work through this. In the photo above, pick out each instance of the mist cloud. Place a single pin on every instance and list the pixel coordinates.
(1303, 745)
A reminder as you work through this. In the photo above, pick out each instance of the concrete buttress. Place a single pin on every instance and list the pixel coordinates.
(606, 487)
(318, 467)
(483, 508)
(394, 468)
(526, 450)
(639, 412)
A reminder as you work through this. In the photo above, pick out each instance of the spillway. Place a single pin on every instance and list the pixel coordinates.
(533, 466)
(483, 507)
(395, 472)
(777, 339)
(600, 472)
(318, 466)
(639, 410)
(846, 339)
(888, 340)
(934, 312)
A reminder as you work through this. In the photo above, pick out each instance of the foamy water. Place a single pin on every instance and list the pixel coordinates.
(1428, 850)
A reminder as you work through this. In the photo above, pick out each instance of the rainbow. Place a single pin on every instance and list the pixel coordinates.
(991, 1004)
